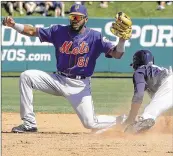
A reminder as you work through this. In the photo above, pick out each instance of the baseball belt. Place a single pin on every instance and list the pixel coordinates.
(78, 77)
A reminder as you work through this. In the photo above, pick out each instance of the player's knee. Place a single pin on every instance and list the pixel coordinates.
(88, 124)
(24, 75)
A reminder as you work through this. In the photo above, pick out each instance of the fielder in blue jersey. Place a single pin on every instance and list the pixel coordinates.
(76, 50)
(157, 81)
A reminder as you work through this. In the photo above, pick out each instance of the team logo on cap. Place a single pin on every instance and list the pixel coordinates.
(76, 7)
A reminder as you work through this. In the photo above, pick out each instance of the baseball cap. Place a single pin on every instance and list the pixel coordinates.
(78, 9)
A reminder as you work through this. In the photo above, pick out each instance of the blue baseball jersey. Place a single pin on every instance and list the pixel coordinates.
(149, 78)
(75, 53)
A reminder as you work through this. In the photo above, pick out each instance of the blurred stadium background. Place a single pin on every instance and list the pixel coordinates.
(110, 95)
(95, 9)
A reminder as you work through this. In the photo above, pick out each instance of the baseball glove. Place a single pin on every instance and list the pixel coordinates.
(122, 27)
(139, 126)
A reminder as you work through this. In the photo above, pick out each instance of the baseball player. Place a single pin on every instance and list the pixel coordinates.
(76, 50)
(157, 81)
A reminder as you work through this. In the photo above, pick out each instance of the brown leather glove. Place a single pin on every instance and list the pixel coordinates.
(122, 27)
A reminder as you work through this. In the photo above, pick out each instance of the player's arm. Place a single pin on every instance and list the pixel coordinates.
(122, 28)
(136, 103)
(118, 51)
(139, 89)
(28, 30)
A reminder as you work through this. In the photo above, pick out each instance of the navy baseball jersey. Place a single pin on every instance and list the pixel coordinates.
(76, 54)
(149, 78)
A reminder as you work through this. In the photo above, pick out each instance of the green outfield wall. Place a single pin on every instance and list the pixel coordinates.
(19, 52)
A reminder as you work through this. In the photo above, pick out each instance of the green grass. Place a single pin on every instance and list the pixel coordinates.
(110, 96)
(133, 9)
(104, 74)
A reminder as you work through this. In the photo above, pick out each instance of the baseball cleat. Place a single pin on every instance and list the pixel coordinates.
(144, 125)
(23, 129)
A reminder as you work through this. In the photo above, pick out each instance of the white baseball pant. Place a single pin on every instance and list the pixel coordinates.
(161, 101)
(77, 92)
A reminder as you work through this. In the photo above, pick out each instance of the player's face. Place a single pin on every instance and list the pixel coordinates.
(77, 22)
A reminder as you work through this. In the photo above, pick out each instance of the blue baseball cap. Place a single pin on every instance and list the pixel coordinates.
(78, 9)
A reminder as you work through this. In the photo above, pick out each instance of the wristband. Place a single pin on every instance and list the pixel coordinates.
(18, 27)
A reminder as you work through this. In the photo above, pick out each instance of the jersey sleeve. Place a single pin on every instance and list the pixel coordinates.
(139, 87)
(105, 46)
(47, 34)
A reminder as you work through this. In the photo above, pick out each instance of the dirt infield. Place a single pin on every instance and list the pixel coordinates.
(63, 135)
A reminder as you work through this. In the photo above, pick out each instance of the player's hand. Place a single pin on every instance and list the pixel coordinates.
(127, 124)
(8, 21)
(122, 27)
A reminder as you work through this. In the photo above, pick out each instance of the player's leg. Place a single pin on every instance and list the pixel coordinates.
(161, 102)
(82, 103)
(57, 12)
(62, 6)
(20, 6)
(10, 8)
(30, 7)
(33, 5)
(59, 9)
(38, 80)
(48, 5)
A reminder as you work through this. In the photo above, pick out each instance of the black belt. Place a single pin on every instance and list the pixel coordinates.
(72, 76)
